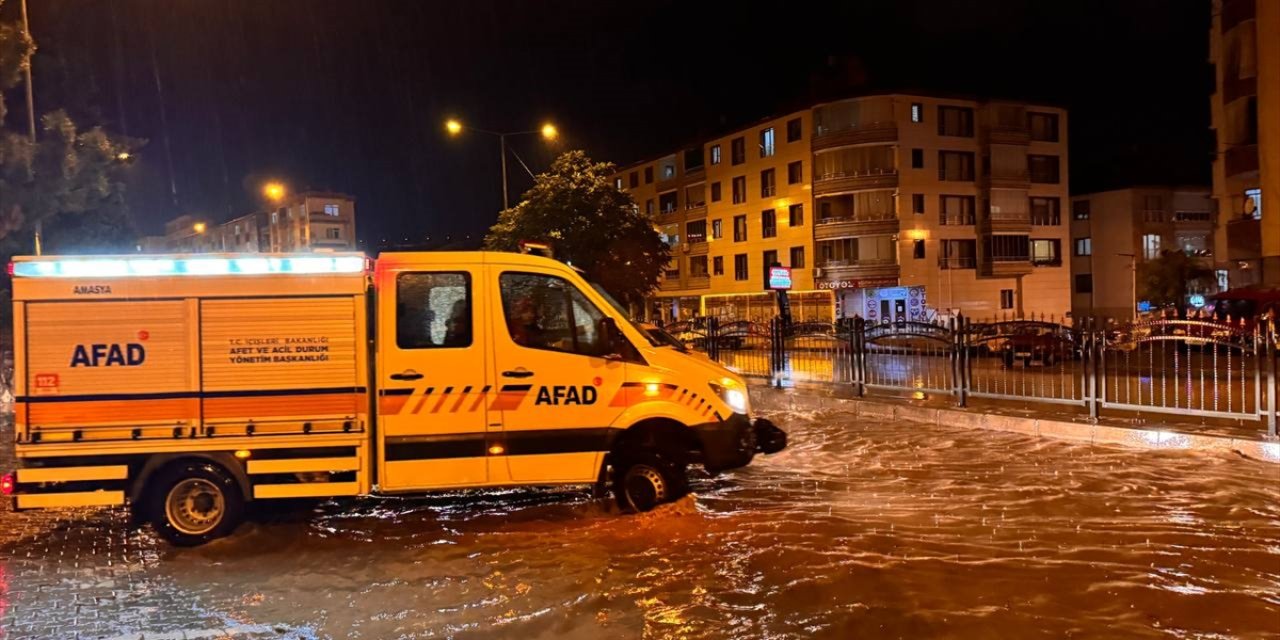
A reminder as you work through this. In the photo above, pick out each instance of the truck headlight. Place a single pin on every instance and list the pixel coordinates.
(732, 395)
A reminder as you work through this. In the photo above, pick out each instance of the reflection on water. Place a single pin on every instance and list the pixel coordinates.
(860, 529)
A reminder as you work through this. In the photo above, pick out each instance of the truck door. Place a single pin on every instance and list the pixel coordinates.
(555, 385)
(432, 380)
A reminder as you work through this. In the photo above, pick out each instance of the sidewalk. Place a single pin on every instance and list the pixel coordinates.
(1063, 422)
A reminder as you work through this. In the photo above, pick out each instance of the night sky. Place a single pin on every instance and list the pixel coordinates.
(351, 96)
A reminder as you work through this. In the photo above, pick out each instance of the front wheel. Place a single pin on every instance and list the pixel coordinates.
(195, 502)
(642, 482)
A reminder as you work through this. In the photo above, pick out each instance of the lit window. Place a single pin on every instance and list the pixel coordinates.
(1150, 246)
(331, 209)
(1253, 203)
(766, 143)
(1006, 298)
(1084, 246)
(917, 112)
(715, 154)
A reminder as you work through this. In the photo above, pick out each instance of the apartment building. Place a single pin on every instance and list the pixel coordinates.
(308, 221)
(1244, 48)
(886, 206)
(1114, 232)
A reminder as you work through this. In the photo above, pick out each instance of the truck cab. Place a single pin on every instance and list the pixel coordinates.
(427, 371)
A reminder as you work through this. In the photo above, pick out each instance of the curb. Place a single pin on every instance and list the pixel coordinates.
(1080, 432)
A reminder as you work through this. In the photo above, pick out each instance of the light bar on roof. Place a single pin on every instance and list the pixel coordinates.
(195, 266)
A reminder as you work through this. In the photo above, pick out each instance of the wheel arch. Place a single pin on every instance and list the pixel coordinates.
(664, 434)
(160, 461)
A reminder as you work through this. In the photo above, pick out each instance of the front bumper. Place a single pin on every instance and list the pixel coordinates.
(733, 442)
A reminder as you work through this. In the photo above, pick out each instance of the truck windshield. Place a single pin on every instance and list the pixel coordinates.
(626, 315)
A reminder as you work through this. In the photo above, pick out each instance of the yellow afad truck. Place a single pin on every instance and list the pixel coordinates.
(187, 386)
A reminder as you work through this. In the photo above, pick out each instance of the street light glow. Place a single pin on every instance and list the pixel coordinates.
(273, 191)
(123, 156)
(549, 131)
(453, 126)
(199, 227)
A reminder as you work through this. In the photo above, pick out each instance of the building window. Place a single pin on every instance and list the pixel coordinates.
(917, 112)
(633, 179)
(648, 206)
(955, 166)
(795, 215)
(275, 217)
(739, 189)
(1223, 277)
(738, 151)
(1084, 246)
(1080, 209)
(668, 171)
(917, 249)
(797, 257)
(648, 175)
(331, 210)
(740, 267)
(768, 224)
(1150, 246)
(766, 143)
(1006, 298)
(715, 154)
(955, 121)
(434, 310)
(1045, 212)
(715, 192)
(717, 265)
(617, 182)
(333, 233)
(1044, 169)
(917, 158)
(958, 254)
(1253, 203)
(768, 259)
(917, 203)
(794, 131)
(1043, 126)
(956, 210)
(696, 231)
(667, 202)
(739, 228)
(717, 229)
(1084, 283)
(1046, 252)
(1007, 248)
(768, 184)
(698, 266)
(670, 234)
(795, 172)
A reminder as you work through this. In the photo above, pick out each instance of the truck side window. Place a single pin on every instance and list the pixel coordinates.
(546, 312)
(433, 310)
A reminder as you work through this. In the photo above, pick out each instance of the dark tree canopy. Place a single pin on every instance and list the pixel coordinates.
(1169, 279)
(589, 223)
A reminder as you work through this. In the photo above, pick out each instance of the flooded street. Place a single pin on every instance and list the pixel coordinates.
(860, 529)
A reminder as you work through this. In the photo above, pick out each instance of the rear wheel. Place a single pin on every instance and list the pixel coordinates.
(195, 502)
(644, 481)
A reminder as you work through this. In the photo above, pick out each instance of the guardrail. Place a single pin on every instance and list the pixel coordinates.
(1202, 368)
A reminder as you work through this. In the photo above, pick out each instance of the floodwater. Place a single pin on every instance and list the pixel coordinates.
(860, 529)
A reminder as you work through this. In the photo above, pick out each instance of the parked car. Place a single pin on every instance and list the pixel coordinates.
(1033, 343)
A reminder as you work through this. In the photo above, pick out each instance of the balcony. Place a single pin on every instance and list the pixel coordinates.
(853, 226)
(1008, 134)
(958, 262)
(1006, 266)
(1234, 88)
(842, 182)
(671, 284)
(876, 270)
(1241, 159)
(694, 248)
(695, 210)
(1007, 221)
(1007, 180)
(700, 282)
(1244, 239)
(824, 138)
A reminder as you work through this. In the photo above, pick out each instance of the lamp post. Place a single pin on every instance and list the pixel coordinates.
(274, 192)
(548, 132)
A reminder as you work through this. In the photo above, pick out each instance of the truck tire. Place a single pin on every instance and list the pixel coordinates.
(642, 481)
(193, 502)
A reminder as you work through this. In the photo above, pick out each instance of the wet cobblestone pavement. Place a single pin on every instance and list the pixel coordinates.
(860, 529)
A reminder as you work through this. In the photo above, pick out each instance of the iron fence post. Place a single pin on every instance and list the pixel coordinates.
(959, 356)
(1269, 336)
(1095, 363)
(713, 338)
(857, 342)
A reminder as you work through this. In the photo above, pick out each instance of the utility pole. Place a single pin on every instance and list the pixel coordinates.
(31, 107)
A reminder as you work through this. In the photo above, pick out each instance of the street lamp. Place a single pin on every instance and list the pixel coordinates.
(199, 227)
(274, 191)
(548, 132)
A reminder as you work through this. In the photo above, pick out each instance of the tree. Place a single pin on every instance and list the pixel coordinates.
(1167, 280)
(590, 223)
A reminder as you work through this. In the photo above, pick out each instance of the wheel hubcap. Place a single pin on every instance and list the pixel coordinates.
(195, 506)
(645, 487)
